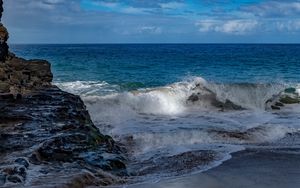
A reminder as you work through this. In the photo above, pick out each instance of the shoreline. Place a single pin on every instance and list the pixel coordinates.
(248, 168)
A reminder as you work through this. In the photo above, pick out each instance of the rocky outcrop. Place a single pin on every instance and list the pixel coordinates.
(19, 76)
(3, 37)
(47, 138)
(287, 97)
(205, 97)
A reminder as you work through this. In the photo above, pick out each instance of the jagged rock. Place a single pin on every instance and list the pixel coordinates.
(47, 134)
(206, 96)
(58, 125)
(22, 76)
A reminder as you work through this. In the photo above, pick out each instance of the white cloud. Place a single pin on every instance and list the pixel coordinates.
(289, 26)
(172, 5)
(150, 30)
(107, 4)
(237, 27)
(274, 9)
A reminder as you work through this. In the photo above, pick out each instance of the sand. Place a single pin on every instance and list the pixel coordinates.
(246, 169)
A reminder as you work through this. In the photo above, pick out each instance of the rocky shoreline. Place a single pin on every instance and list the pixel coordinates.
(47, 138)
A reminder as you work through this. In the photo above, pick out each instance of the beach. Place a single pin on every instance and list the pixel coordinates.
(246, 169)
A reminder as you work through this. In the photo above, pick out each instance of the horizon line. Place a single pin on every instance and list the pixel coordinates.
(134, 43)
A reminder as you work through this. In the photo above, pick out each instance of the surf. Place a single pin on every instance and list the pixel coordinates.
(193, 118)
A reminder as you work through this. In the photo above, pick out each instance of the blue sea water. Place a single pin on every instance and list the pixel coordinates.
(133, 66)
(138, 93)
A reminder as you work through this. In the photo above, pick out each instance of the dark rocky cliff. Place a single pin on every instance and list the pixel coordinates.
(47, 138)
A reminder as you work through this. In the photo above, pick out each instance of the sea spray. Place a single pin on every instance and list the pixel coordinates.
(160, 125)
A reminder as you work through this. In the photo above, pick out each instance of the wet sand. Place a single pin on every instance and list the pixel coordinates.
(246, 169)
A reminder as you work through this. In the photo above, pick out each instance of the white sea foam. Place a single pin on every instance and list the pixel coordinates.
(86, 88)
(155, 122)
(172, 99)
(298, 89)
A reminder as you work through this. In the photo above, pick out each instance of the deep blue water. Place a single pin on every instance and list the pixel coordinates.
(145, 65)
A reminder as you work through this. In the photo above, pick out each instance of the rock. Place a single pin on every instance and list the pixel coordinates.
(14, 179)
(289, 100)
(3, 43)
(193, 98)
(51, 128)
(275, 107)
(2, 179)
(1, 9)
(290, 90)
(3, 37)
(22, 161)
(4, 87)
(205, 96)
(58, 126)
(3, 49)
(24, 77)
(279, 104)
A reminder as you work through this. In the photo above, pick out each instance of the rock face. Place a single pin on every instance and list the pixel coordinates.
(3, 37)
(1, 9)
(47, 138)
(19, 76)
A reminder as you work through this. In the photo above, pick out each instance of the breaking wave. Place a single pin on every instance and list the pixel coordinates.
(180, 97)
(193, 119)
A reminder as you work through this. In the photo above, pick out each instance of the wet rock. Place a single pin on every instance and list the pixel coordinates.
(206, 97)
(289, 100)
(275, 107)
(175, 164)
(58, 125)
(290, 90)
(193, 98)
(279, 104)
(50, 128)
(14, 179)
(22, 161)
(2, 179)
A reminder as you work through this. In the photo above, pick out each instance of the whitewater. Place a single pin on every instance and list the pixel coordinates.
(193, 125)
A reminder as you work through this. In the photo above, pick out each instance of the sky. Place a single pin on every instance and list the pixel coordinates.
(152, 21)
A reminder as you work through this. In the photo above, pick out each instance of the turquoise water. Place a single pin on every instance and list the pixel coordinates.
(139, 95)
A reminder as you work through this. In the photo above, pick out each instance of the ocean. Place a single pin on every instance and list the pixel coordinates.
(180, 109)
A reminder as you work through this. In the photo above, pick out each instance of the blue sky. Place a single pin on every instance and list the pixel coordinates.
(153, 21)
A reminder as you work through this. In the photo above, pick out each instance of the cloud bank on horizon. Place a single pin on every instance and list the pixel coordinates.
(154, 21)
